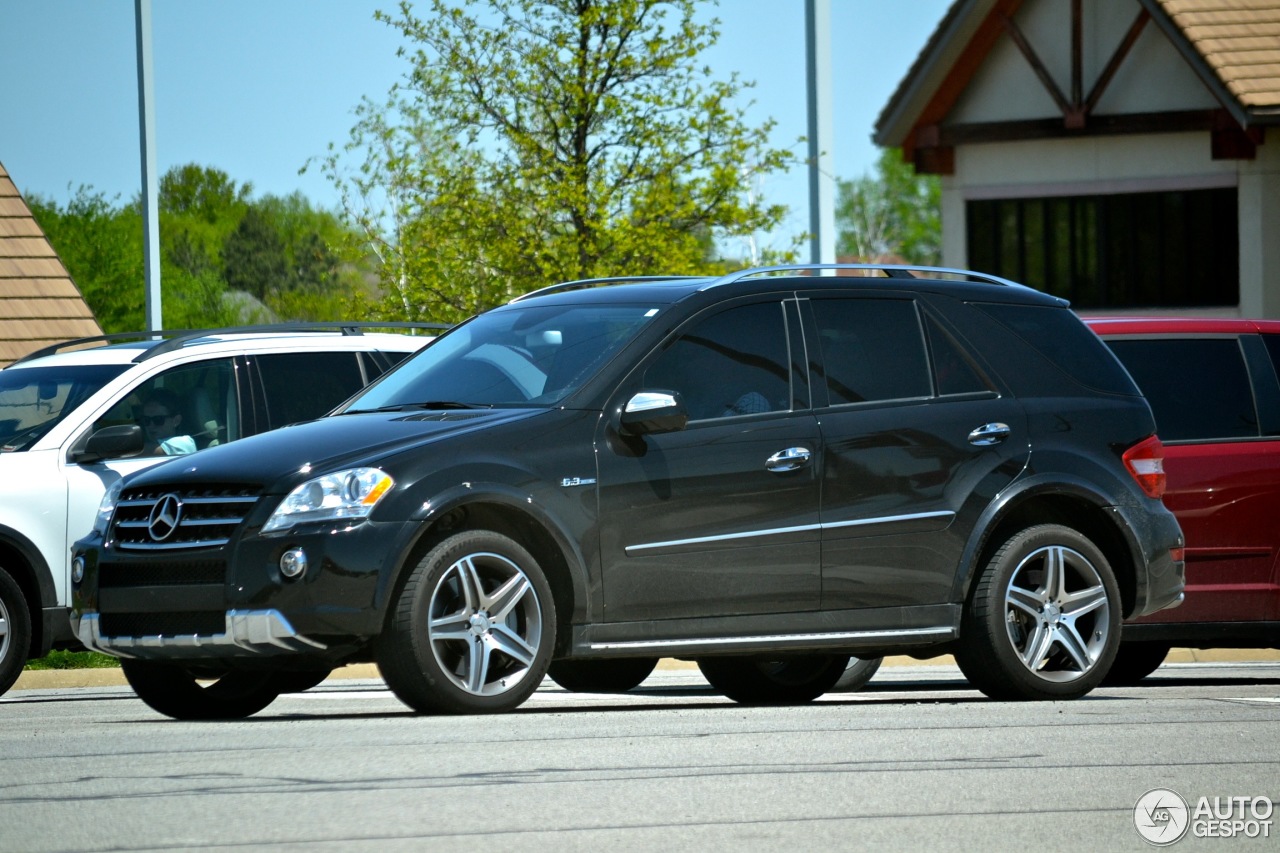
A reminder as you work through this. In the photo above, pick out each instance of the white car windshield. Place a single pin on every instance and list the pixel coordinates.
(34, 399)
(517, 356)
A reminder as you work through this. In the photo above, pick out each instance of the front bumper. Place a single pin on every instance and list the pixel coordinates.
(256, 632)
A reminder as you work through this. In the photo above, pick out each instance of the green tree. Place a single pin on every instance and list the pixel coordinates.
(893, 214)
(253, 257)
(100, 243)
(539, 140)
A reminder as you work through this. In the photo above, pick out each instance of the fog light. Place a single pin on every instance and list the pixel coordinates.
(77, 570)
(293, 563)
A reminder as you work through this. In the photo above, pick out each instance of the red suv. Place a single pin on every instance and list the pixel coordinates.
(1212, 384)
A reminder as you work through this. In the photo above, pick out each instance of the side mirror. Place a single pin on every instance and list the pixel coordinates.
(653, 412)
(113, 442)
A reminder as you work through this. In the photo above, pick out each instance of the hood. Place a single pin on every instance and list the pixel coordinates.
(338, 441)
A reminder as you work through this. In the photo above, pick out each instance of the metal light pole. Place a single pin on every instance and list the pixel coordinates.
(822, 210)
(150, 185)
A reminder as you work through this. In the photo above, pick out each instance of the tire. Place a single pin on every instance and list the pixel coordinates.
(1043, 621)
(473, 629)
(296, 681)
(777, 681)
(177, 691)
(601, 676)
(1134, 662)
(857, 672)
(15, 631)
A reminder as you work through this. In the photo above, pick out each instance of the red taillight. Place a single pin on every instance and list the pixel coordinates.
(1145, 461)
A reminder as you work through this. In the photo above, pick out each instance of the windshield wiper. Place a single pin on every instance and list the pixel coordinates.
(429, 404)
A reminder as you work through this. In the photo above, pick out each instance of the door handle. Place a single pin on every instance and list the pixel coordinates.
(789, 459)
(989, 434)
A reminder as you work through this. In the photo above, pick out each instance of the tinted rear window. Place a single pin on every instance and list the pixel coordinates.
(1198, 388)
(1061, 337)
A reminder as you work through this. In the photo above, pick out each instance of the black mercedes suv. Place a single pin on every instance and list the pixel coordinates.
(765, 472)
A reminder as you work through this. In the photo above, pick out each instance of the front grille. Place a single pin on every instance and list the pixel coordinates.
(206, 624)
(184, 573)
(180, 517)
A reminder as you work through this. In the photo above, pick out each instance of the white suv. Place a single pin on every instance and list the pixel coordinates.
(76, 417)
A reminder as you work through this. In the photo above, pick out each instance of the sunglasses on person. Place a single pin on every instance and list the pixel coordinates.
(155, 420)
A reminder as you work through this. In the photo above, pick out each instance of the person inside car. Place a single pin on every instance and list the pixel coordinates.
(160, 421)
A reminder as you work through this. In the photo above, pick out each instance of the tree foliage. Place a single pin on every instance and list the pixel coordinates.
(225, 257)
(535, 141)
(893, 214)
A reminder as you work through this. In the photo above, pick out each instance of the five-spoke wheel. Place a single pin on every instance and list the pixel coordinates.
(472, 630)
(1043, 621)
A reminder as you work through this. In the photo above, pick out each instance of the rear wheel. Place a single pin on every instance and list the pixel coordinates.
(857, 672)
(1134, 662)
(15, 631)
(472, 630)
(773, 681)
(1043, 621)
(198, 693)
(601, 676)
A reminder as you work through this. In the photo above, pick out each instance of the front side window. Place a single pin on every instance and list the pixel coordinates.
(729, 364)
(34, 400)
(182, 410)
(872, 349)
(521, 355)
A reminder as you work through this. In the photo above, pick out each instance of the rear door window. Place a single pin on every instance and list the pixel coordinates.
(872, 349)
(1198, 388)
(302, 386)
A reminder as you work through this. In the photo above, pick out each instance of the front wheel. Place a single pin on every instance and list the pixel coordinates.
(1134, 662)
(1043, 621)
(473, 629)
(191, 693)
(779, 681)
(15, 631)
(601, 676)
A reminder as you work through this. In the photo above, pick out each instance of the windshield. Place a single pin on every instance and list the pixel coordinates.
(34, 399)
(535, 355)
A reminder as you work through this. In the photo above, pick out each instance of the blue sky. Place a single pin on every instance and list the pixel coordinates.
(256, 87)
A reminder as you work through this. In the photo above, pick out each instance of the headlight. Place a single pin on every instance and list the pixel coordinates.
(106, 507)
(350, 494)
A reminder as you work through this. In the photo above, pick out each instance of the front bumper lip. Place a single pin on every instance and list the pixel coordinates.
(256, 632)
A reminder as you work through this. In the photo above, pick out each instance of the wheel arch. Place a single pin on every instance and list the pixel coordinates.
(1070, 505)
(516, 515)
(23, 562)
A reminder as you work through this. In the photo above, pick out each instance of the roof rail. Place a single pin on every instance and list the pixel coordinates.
(173, 339)
(584, 283)
(889, 270)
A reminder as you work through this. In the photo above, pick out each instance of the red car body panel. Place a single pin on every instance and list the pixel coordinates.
(1226, 496)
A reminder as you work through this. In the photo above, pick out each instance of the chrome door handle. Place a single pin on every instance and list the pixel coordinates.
(789, 459)
(989, 434)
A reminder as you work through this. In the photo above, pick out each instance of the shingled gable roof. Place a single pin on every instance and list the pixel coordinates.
(1232, 45)
(39, 303)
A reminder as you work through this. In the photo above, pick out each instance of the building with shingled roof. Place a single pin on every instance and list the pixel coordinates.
(1113, 152)
(39, 303)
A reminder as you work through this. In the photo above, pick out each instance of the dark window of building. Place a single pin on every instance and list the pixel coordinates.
(1131, 250)
(1198, 388)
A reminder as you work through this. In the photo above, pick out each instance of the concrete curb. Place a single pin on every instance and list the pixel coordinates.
(52, 679)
